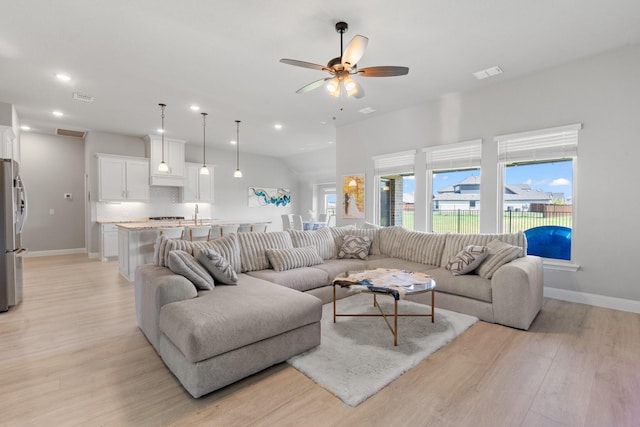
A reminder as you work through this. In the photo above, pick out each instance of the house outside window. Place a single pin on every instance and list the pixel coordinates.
(395, 190)
(453, 180)
(537, 171)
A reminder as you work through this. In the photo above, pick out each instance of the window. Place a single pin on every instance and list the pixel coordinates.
(395, 176)
(538, 179)
(453, 180)
(330, 202)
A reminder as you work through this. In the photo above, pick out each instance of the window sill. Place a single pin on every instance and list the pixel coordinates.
(557, 265)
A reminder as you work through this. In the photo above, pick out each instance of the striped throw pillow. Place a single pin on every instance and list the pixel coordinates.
(182, 263)
(287, 259)
(321, 239)
(500, 253)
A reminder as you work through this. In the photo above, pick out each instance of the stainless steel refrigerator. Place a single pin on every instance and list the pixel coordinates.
(13, 211)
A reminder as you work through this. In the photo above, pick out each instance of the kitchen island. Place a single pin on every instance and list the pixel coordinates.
(136, 240)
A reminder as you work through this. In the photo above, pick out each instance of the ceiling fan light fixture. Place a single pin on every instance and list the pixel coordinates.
(349, 84)
(333, 85)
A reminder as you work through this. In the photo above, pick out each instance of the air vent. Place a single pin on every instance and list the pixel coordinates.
(489, 72)
(71, 133)
(82, 97)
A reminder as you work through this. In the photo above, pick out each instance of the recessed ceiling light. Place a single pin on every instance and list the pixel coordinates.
(488, 72)
(232, 142)
(277, 126)
(330, 142)
(367, 110)
(25, 127)
(323, 122)
(63, 77)
(160, 130)
(194, 108)
(58, 113)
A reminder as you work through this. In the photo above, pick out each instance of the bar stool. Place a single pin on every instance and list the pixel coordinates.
(171, 232)
(199, 233)
(215, 233)
(259, 228)
(229, 229)
(244, 228)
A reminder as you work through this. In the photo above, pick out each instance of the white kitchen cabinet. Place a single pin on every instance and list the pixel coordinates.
(122, 179)
(109, 241)
(174, 155)
(197, 188)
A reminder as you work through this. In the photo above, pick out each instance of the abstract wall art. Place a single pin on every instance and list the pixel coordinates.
(353, 196)
(262, 196)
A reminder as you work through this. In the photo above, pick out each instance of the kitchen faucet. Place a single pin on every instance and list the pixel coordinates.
(195, 216)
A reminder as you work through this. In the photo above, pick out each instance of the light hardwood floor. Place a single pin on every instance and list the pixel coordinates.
(72, 354)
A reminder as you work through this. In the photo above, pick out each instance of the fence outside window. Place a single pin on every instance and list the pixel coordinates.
(468, 221)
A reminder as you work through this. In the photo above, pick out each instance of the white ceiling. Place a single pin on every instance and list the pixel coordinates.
(224, 56)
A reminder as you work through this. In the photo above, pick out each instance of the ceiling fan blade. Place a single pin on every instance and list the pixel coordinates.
(354, 51)
(313, 85)
(304, 64)
(383, 71)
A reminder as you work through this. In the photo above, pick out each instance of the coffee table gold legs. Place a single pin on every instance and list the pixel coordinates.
(394, 328)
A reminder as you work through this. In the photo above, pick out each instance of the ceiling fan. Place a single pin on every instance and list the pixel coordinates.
(345, 66)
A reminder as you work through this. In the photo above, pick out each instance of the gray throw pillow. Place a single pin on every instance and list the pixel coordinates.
(287, 259)
(355, 247)
(217, 266)
(182, 263)
(500, 253)
(467, 259)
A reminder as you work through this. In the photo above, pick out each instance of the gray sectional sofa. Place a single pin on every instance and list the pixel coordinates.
(212, 338)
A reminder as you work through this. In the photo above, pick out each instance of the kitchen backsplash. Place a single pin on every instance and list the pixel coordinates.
(164, 201)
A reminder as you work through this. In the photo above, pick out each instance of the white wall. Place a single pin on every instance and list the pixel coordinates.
(52, 166)
(602, 92)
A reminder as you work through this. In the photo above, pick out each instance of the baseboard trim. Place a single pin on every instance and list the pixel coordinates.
(593, 299)
(94, 255)
(54, 252)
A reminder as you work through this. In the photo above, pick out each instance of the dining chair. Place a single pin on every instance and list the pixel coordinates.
(171, 232)
(297, 222)
(198, 233)
(331, 221)
(323, 218)
(287, 224)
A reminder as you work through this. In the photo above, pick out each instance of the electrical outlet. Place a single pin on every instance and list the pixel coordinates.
(52, 211)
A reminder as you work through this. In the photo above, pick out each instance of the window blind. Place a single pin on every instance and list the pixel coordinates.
(545, 144)
(394, 163)
(463, 155)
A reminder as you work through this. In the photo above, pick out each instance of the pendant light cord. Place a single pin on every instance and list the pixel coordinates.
(162, 107)
(237, 144)
(204, 138)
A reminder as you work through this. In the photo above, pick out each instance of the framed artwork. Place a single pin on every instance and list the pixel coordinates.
(353, 196)
(262, 196)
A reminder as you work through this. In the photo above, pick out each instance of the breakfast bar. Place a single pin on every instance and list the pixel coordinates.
(136, 239)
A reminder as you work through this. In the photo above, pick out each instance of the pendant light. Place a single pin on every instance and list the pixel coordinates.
(204, 170)
(238, 172)
(162, 167)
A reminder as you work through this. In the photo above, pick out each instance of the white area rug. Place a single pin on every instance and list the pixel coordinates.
(357, 357)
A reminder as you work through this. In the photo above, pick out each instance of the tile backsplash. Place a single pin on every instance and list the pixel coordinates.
(164, 201)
